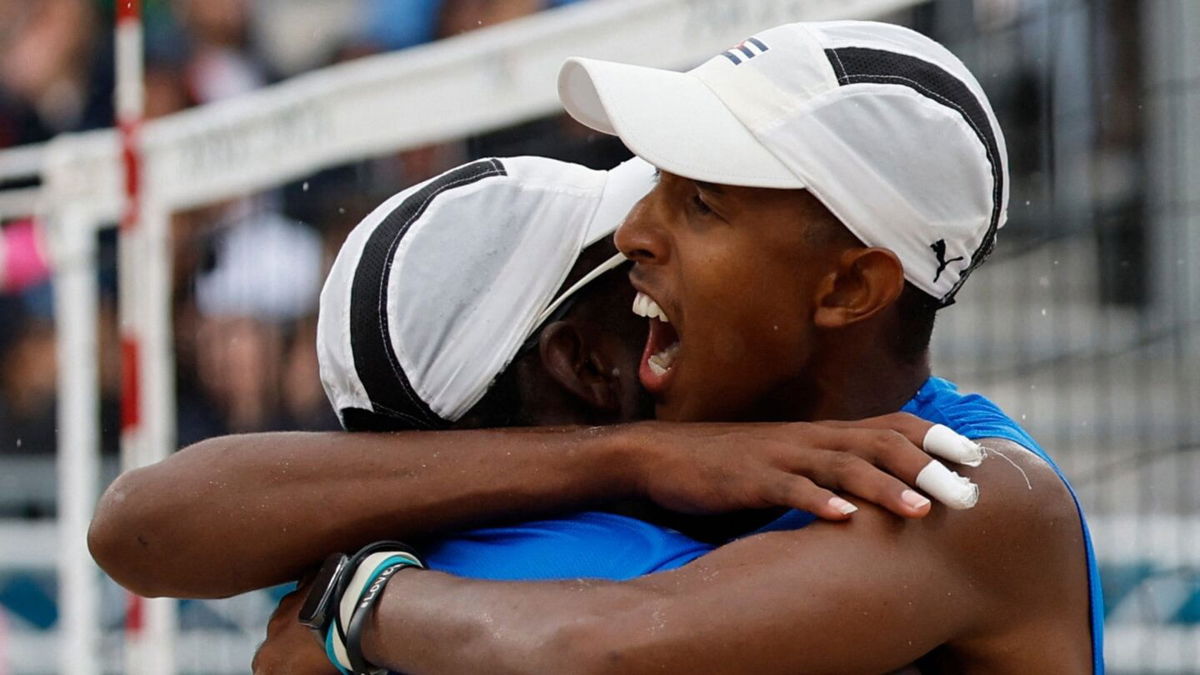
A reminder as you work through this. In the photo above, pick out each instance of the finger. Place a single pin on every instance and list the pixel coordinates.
(287, 610)
(798, 492)
(858, 477)
(948, 487)
(910, 426)
(890, 451)
(936, 439)
(864, 479)
(885, 448)
(946, 443)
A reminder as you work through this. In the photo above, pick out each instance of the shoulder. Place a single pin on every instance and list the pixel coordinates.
(1023, 543)
(1015, 552)
(1020, 493)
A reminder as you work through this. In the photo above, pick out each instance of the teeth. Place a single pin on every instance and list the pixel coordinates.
(643, 305)
(661, 362)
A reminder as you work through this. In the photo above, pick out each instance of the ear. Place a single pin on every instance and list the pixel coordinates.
(864, 282)
(574, 358)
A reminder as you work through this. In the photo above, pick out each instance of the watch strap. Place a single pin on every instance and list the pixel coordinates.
(366, 574)
(358, 621)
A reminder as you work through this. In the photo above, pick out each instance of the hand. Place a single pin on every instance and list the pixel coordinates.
(291, 648)
(713, 468)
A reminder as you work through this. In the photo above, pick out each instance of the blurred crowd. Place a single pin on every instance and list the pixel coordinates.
(247, 272)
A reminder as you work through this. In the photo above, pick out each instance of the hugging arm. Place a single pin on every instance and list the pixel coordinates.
(866, 596)
(809, 601)
(236, 513)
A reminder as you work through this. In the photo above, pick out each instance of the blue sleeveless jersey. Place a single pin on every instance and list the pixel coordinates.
(608, 546)
(974, 416)
(591, 544)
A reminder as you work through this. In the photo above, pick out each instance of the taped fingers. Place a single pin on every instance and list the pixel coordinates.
(944, 442)
(903, 461)
(929, 474)
(947, 487)
(936, 439)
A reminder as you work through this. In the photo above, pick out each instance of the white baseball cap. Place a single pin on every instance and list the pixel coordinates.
(882, 124)
(433, 294)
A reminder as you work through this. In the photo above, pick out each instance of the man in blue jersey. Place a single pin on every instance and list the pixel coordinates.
(481, 298)
(825, 189)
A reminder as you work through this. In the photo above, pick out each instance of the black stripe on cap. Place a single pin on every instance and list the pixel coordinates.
(859, 64)
(395, 404)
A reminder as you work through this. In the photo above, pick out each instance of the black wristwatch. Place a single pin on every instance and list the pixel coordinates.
(321, 610)
(325, 593)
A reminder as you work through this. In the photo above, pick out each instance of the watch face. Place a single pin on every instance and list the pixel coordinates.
(319, 606)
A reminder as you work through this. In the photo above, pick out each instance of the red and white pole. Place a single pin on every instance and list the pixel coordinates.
(130, 104)
(149, 624)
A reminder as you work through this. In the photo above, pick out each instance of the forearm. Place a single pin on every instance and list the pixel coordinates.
(782, 602)
(241, 512)
(428, 622)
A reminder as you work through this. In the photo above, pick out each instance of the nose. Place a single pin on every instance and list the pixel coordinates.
(641, 237)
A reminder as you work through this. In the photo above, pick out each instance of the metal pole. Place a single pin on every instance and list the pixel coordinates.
(75, 314)
(149, 624)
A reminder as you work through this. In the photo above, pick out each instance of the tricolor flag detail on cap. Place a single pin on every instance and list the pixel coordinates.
(746, 50)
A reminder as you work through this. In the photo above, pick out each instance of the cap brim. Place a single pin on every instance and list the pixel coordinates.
(672, 120)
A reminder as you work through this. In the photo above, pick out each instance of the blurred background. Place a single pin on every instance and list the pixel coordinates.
(1084, 325)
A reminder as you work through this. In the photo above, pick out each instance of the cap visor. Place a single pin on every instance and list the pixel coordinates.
(672, 120)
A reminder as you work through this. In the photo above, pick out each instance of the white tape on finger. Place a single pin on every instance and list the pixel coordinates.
(947, 487)
(944, 442)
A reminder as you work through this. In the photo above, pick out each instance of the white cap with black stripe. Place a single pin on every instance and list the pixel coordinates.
(433, 293)
(882, 124)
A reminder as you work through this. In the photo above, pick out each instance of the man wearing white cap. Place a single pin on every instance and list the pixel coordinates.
(825, 188)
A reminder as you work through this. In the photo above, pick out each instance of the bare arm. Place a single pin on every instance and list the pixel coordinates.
(235, 513)
(865, 596)
(241, 512)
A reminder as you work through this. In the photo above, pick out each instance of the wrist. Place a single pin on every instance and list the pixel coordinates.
(630, 456)
(404, 590)
(344, 596)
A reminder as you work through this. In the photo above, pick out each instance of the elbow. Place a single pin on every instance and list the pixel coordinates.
(119, 536)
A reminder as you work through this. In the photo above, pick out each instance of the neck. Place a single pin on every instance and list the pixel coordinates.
(865, 390)
(840, 388)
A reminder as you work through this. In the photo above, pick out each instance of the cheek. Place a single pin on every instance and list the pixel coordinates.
(758, 312)
(764, 335)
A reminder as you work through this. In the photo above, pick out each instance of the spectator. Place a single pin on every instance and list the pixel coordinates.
(262, 279)
(55, 70)
(221, 63)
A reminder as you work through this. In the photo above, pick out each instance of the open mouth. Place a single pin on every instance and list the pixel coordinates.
(662, 345)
